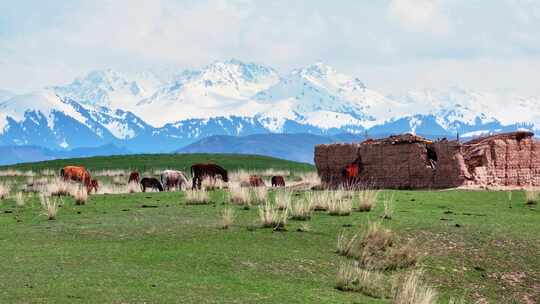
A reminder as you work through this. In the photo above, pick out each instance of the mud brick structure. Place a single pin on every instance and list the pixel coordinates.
(412, 162)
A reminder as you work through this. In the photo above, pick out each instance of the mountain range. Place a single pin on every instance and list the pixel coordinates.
(148, 112)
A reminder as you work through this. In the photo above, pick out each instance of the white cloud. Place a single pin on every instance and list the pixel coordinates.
(419, 15)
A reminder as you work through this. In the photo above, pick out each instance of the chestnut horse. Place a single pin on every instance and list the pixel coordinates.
(134, 177)
(200, 171)
(278, 181)
(78, 174)
(256, 181)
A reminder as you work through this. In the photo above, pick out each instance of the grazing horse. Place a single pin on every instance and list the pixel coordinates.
(256, 181)
(94, 185)
(278, 181)
(151, 182)
(78, 174)
(200, 171)
(173, 179)
(134, 177)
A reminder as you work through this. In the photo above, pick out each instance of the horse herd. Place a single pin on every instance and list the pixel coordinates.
(169, 179)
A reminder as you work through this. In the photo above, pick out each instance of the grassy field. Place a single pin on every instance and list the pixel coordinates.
(157, 248)
(142, 162)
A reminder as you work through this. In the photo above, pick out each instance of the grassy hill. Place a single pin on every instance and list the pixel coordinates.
(178, 161)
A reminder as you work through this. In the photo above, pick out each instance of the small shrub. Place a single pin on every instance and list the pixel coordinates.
(50, 206)
(531, 196)
(368, 199)
(197, 197)
(402, 257)
(304, 227)
(227, 217)
(271, 217)
(340, 207)
(80, 196)
(20, 199)
(4, 191)
(413, 291)
(352, 278)
(301, 210)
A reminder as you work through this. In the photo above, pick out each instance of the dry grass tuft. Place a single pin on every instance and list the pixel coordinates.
(59, 187)
(20, 199)
(402, 257)
(51, 207)
(350, 277)
(301, 210)
(531, 196)
(80, 196)
(340, 207)
(4, 191)
(239, 195)
(111, 173)
(319, 200)
(210, 184)
(197, 197)
(367, 199)
(388, 202)
(16, 173)
(413, 291)
(227, 218)
(311, 178)
(283, 199)
(259, 195)
(271, 217)
(304, 227)
(346, 243)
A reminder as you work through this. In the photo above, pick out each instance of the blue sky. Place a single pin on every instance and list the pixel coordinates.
(392, 45)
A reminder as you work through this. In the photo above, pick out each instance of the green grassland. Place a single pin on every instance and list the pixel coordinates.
(155, 248)
(142, 162)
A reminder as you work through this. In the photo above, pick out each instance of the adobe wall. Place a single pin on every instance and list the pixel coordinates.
(511, 159)
(402, 162)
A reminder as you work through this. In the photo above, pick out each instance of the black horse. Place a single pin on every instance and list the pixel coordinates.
(150, 182)
(200, 171)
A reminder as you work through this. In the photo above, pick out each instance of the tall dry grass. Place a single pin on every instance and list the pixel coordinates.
(340, 207)
(197, 197)
(239, 195)
(111, 173)
(271, 217)
(50, 205)
(301, 210)
(367, 199)
(4, 191)
(80, 196)
(311, 178)
(283, 199)
(16, 173)
(413, 290)
(59, 187)
(350, 277)
(531, 196)
(388, 203)
(20, 199)
(227, 217)
(259, 195)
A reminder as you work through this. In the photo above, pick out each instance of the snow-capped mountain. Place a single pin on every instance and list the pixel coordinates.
(148, 113)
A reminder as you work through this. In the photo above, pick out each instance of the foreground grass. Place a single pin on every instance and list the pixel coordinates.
(154, 248)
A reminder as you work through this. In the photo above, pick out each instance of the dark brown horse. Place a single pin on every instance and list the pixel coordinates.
(134, 177)
(278, 181)
(151, 182)
(256, 181)
(200, 171)
(94, 185)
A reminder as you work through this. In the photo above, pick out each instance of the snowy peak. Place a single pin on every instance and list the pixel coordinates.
(109, 88)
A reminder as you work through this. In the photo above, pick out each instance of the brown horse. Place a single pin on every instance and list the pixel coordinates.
(94, 185)
(200, 171)
(256, 181)
(134, 177)
(78, 174)
(151, 182)
(278, 181)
